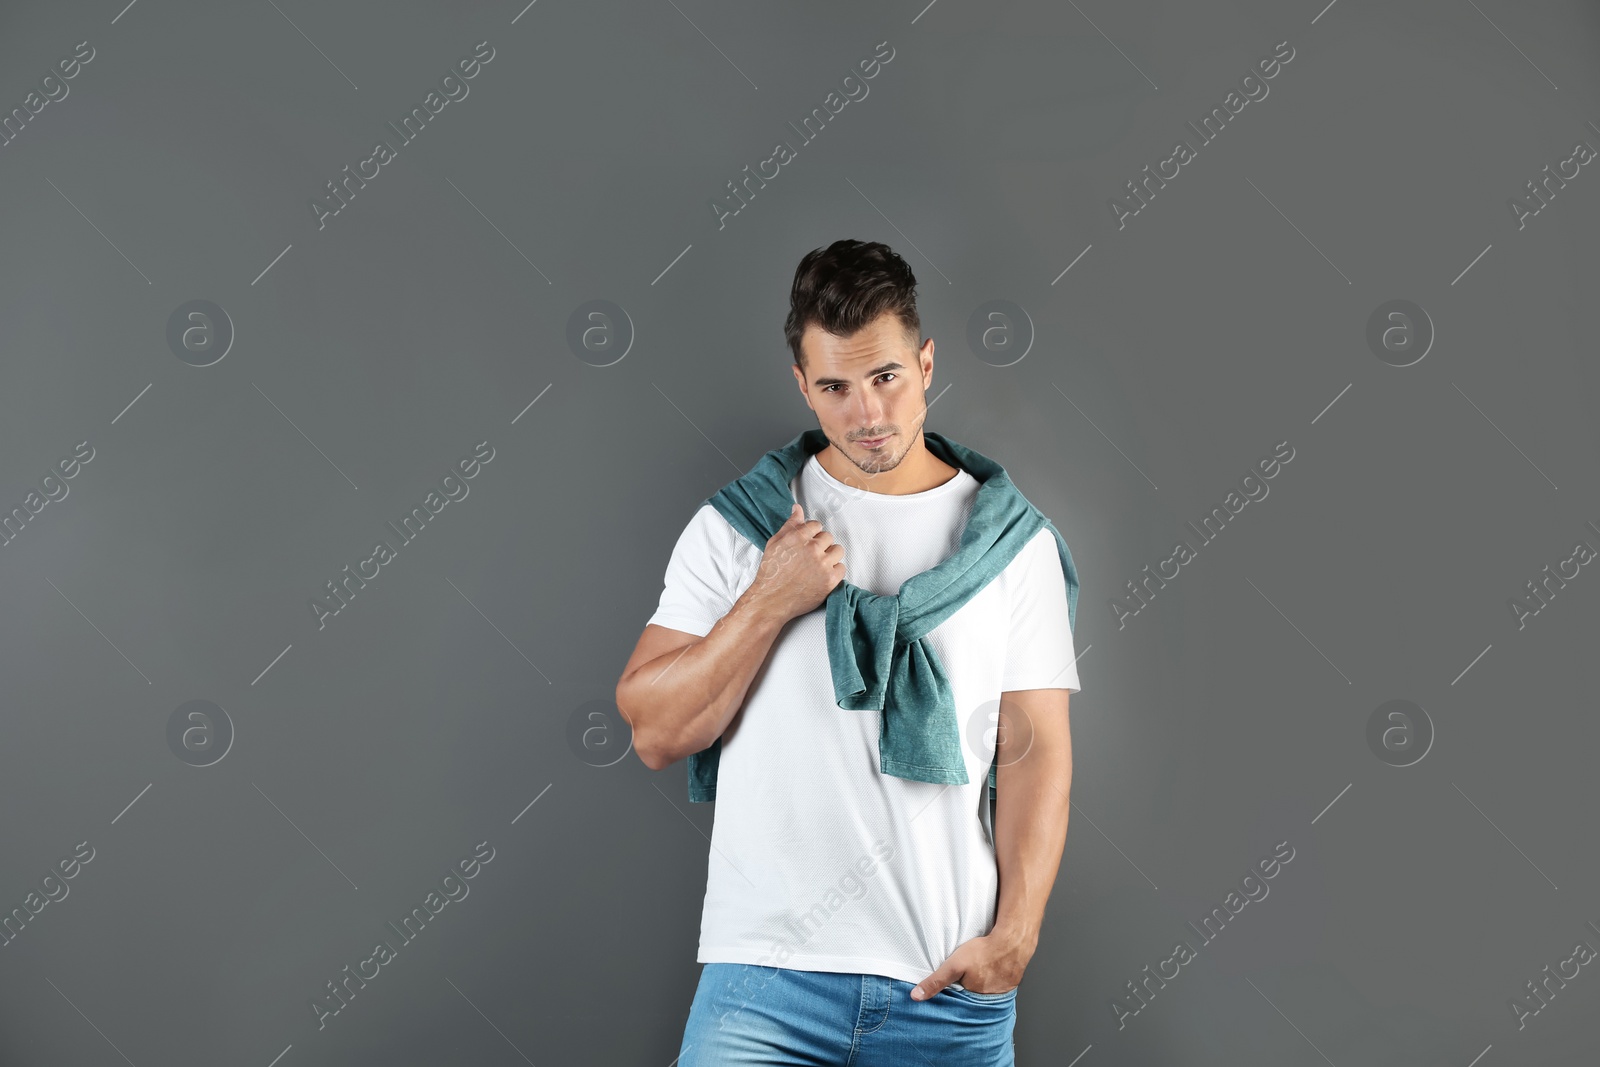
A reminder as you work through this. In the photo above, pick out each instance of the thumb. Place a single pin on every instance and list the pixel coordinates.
(932, 984)
(796, 514)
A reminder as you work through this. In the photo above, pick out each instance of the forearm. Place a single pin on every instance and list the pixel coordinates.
(1030, 831)
(681, 702)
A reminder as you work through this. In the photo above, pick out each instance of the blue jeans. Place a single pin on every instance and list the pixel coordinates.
(748, 1014)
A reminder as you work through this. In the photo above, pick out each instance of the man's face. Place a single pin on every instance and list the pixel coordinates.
(872, 384)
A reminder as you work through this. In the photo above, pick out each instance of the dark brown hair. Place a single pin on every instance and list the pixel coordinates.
(846, 286)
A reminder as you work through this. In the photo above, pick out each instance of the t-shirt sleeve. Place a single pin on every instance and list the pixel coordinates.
(700, 584)
(1039, 649)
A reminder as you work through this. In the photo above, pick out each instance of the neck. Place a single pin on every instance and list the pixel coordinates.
(917, 471)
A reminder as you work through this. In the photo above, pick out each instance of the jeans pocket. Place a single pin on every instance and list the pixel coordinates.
(985, 998)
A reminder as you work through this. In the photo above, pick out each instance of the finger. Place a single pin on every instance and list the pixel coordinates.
(931, 985)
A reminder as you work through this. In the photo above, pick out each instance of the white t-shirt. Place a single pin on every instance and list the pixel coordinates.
(819, 861)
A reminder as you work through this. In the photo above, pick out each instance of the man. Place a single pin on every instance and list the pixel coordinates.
(851, 915)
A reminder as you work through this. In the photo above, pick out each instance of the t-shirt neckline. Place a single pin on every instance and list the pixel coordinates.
(815, 466)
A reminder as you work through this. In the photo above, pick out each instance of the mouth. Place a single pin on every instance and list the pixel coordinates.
(874, 442)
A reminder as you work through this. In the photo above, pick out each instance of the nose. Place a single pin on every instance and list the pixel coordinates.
(870, 413)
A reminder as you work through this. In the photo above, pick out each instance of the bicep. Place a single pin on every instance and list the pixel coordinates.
(655, 642)
(1034, 725)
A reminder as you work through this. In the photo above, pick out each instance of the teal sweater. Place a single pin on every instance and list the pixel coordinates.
(877, 645)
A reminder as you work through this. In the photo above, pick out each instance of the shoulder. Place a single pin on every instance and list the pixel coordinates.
(709, 530)
(708, 525)
(1041, 545)
(1039, 553)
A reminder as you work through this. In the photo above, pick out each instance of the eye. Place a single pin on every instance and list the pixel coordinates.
(885, 374)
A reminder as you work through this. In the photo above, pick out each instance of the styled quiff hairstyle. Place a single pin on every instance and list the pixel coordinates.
(846, 286)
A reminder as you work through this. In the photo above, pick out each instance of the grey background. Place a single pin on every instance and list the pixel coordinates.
(1229, 315)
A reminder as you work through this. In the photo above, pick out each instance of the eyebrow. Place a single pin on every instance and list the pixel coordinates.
(873, 373)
